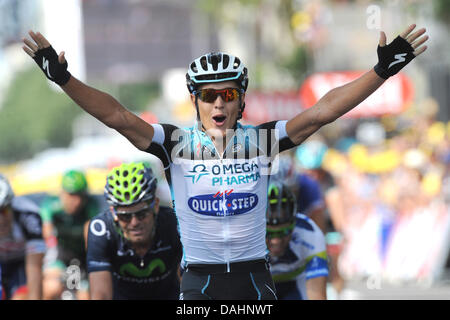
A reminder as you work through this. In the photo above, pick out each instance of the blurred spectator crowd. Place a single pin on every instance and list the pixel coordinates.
(393, 203)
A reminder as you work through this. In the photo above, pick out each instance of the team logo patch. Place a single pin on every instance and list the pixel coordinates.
(224, 203)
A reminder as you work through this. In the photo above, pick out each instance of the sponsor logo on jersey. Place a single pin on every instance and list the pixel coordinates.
(225, 203)
(197, 172)
(226, 174)
(129, 269)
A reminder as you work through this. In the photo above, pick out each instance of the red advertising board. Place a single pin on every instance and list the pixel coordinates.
(393, 97)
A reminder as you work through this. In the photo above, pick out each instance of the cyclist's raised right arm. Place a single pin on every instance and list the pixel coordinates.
(97, 103)
(109, 111)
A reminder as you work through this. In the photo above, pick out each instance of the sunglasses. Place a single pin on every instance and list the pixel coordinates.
(139, 214)
(210, 95)
(279, 232)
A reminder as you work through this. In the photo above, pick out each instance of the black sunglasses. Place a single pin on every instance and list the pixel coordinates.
(139, 214)
(210, 95)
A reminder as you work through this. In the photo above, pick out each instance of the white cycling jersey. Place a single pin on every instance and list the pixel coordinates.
(220, 200)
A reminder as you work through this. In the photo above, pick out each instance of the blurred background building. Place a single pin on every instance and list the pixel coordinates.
(296, 50)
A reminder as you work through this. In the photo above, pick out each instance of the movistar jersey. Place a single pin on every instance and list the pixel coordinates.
(220, 199)
(305, 258)
(153, 276)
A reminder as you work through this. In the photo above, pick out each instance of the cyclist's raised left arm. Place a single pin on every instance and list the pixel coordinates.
(338, 101)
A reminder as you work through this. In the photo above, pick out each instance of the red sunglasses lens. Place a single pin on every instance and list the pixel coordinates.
(227, 95)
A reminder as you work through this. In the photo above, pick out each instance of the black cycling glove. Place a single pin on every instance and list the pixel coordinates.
(47, 60)
(393, 57)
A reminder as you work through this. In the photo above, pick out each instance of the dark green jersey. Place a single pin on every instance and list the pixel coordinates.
(69, 228)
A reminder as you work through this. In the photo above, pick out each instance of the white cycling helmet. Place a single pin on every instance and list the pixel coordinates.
(6, 193)
(216, 67)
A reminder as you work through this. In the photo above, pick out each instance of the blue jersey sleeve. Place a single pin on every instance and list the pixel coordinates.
(317, 266)
(98, 252)
(309, 194)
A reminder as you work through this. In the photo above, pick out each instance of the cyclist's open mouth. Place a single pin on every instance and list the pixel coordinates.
(219, 120)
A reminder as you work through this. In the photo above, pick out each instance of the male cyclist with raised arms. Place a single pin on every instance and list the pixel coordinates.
(217, 169)
(64, 218)
(298, 256)
(22, 247)
(134, 249)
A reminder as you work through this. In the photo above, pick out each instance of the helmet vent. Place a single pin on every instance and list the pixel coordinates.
(130, 184)
(226, 61)
(194, 67)
(236, 63)
(203, 63)
(215, 59)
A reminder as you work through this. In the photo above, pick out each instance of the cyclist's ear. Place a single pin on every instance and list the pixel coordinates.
(192, 96)
(111, 210)
(156, 208)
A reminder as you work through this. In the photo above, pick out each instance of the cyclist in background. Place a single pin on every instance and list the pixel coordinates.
(297, 248)
(22, 247)
(134, 250)
(64, 220)
(310, 200)
(309, 157)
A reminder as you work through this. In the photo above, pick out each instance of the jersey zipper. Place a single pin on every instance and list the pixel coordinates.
(226, 224)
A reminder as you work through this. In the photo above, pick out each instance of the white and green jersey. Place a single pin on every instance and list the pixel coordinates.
(220, 200)
(305, 258)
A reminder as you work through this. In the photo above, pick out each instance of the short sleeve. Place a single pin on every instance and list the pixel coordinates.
(277, 138)
(98, 252)
(164, 140)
